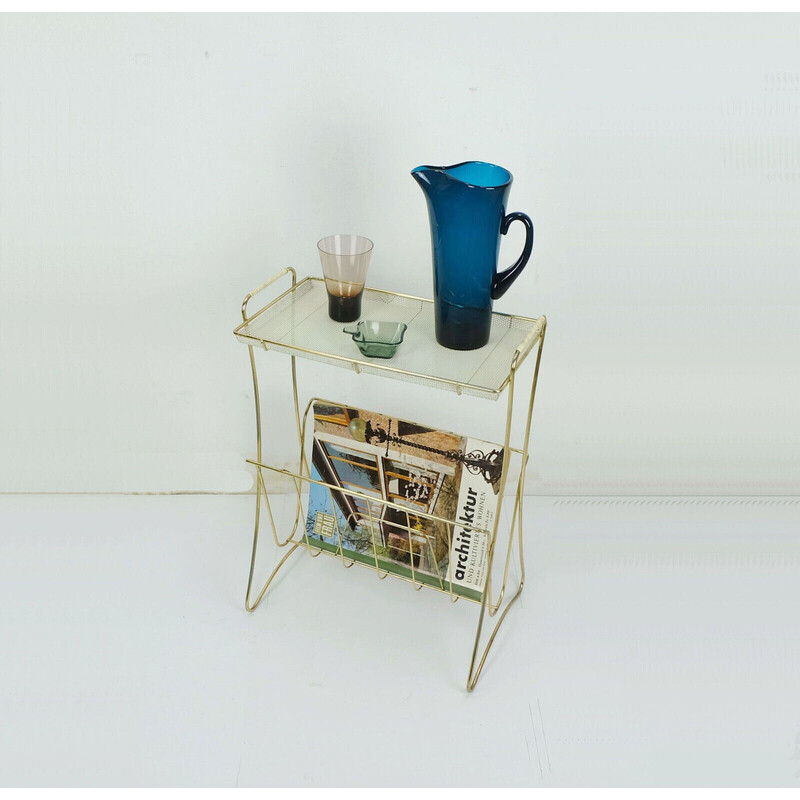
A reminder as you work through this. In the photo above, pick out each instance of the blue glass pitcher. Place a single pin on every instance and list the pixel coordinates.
(467, 210)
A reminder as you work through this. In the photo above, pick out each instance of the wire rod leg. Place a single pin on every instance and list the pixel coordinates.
(247, 604)
(475, 672)
(252, 606)
(516, 518)
(261, 488)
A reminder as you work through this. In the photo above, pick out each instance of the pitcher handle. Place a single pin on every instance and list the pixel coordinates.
(502, 280)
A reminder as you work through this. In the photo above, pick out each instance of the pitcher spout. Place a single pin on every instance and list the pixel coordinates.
(431, 179)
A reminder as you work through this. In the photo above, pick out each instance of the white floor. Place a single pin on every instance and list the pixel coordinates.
(657, 643)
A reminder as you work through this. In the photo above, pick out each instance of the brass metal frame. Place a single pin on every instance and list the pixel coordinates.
(298, 538)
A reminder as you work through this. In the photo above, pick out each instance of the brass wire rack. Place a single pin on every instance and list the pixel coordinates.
(296, 323)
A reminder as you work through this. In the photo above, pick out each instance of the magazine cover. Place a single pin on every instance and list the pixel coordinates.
(421, 471)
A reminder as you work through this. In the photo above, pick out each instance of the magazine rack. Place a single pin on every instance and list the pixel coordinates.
(296, 323)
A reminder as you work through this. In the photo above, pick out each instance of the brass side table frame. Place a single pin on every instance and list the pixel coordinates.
(526, 332)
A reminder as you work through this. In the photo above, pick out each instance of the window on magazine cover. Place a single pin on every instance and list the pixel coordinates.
(358, 472)
(407, 485)
(404, 488)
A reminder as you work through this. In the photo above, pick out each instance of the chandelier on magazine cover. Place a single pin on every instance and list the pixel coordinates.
(489, 465)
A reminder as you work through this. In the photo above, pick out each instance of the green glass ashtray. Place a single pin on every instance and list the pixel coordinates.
(377, 339)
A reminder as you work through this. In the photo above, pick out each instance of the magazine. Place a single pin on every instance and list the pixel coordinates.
(386, 478)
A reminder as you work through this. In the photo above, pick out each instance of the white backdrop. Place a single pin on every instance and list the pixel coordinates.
(154, 168)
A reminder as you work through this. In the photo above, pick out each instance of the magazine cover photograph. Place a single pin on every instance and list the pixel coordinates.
(385, 479)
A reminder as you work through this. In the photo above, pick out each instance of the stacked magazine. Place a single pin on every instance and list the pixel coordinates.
(403, 498)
